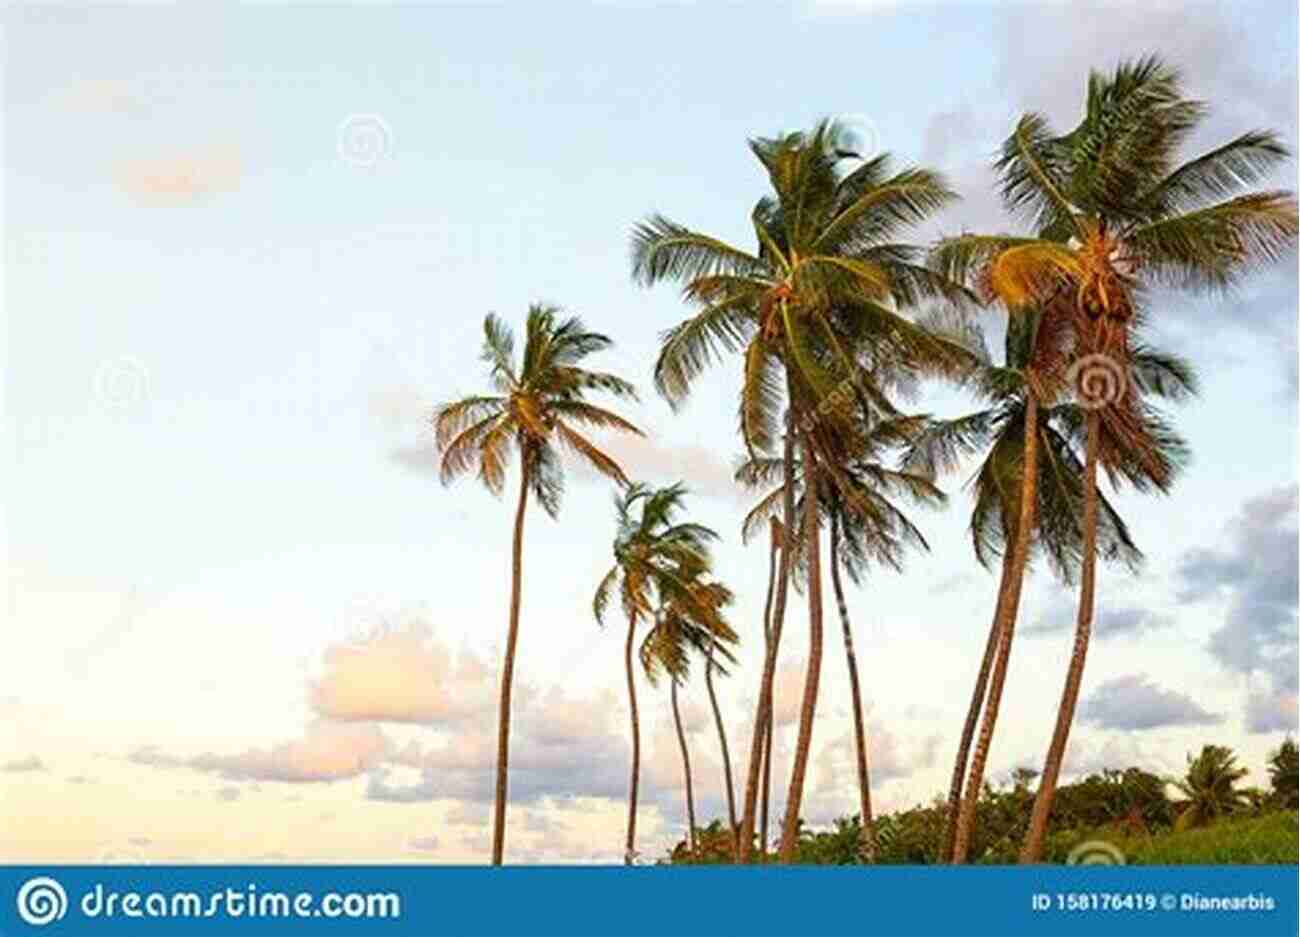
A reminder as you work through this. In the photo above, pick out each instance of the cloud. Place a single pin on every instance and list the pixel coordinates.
(559, 746)
(1271, 712)
(31, 763)
(1086, 754)
(658, 461)
(1109, 622)
(326, 752)
(401, 674)
(1135, 702)
(98, 96)
(423, 843)
(1255, 569)
(182, 178)
(229, 793)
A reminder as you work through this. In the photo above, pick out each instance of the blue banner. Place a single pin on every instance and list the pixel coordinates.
(424, 901)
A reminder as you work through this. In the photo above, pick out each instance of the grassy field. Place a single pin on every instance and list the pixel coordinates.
(1262, 840)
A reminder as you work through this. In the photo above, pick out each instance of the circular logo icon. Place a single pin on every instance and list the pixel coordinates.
(858, 137)
(1095, 852)
(42, 901)
(121, 383)
(1097, 380)
(365, 140)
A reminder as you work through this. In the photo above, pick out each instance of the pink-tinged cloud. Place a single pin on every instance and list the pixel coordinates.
(402, 674)
(327, 751)
(180, 179)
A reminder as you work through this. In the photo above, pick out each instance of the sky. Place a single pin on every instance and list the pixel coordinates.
(247, 251)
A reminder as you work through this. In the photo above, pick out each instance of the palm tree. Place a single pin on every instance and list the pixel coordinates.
(1210, 786)
(869, 529)
(1284, 774)
(690, 618)
(996, 435)
(812, 308)
(537, 406)
(776, 539)
(709, 666)
(1113, 215)
(656, 563)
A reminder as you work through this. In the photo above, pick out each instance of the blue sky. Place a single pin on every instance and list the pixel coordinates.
(222, 336)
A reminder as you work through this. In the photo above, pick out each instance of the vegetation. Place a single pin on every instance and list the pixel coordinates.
(1128, 809)
(836, 317)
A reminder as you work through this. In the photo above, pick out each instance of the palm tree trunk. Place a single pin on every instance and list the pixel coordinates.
(636, 746)
(767, 641)
(1005, 622)
(508, 669)
(855, 689)
(1033, 848)
(722, 740)
(686, 765)
(973, 716)
(808, 708)
(763, 716)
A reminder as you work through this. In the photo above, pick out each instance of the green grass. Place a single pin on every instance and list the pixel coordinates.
(1270, 839)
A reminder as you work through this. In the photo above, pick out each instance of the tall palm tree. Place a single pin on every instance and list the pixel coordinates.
(538, 406)
(690, 619)
(709, 666)
(1113, 215)
(657, 563)
(812, 308)
(776, 538)
(995, 434)
(870, 529)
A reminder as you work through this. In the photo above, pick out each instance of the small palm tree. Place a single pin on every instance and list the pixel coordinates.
(1284, 774)
(813, 308)
(1210, 787)
(689, 619)
(1113, 215)
(995, 434)
(869, 529)
(658, 562)
(538, 405)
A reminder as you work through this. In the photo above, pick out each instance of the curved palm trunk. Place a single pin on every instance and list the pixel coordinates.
(722, 740)
(973, 717)
(508, 670)
(859, 729)
(767, 641)
(1005, 621)
(630, 851)
(1033, 848)
(686, 765)
(808, 708)
(763, 716)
